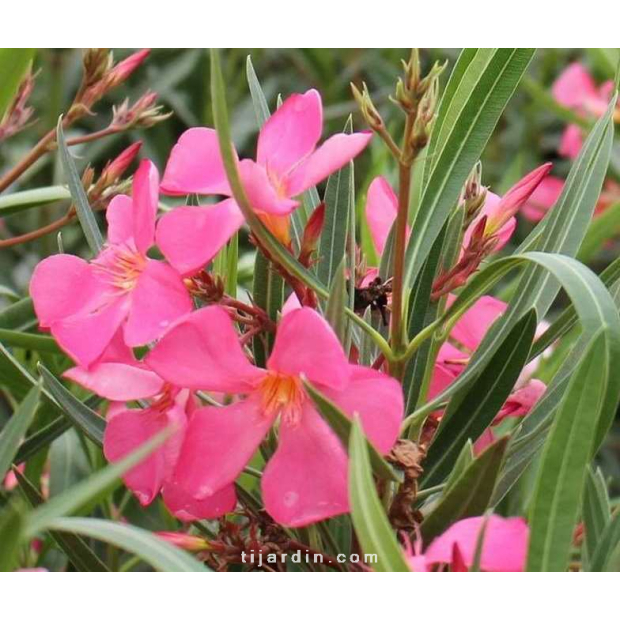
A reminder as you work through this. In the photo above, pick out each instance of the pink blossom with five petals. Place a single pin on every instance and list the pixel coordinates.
(288, 162)
(83, 303)
(203, 352)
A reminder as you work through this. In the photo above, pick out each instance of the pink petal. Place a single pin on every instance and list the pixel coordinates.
(522, 401)
(262, 194)
(306, 479)
(542, 199)
(571, 142)
(291, 133)
(504, 548)
(574, 86)
(159, 298)
(63, 285)
(116, 381)
(202, 352)
(195, 165)
(119, 216)
(493, 210)
(473, 325)
(184, 507)
(306, 344)
(378, 400)
(484, 441)
(128, 429)
(381, 210)
(291, 303)
(190, 237)
(332, 155)
(220, 442)
(145, 201)
(86, 335)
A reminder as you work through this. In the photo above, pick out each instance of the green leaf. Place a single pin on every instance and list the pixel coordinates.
(268, 294)
(15, 429)
(91, 490)
(337, 302)
(467, 417)
(11, 526)
(19, 202)
(84, 212)
(14, 63)
(568, 449)
(158, 553)
(470, 495)
(338, 204)
(80, 414)
(603, 227)
(608, 544)
(19, 315)
(478, 101)
(35, 342)
(373, 530)
(463, 461)
(596, 510)
(74, 547)
(261, 108)
(342, 425)
(41, 438)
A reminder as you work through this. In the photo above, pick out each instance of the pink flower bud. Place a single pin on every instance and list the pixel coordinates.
(517, 196)
(126, 67)
(114, 169)
(184, 541)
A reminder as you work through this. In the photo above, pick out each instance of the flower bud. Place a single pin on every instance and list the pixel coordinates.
(184, 541)
(96, 62)
(312, 234)
(125, 68)
(19, 113)
(143, 113)
(115, 168)
(369, 111)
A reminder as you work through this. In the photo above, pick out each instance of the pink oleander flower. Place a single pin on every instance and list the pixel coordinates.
(119, 377)
(382, 206)
(464, 339)
(576, 89)
(504, 547)
(84, 303)
(306, 478)
(288, 163)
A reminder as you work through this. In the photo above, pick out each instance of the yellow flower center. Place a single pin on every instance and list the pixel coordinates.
(124, 270)
(282, 394)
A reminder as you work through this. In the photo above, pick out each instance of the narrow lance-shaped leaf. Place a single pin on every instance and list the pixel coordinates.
(337, 302)
(11, 526)
(373, 530)
(84, 212)
(470, 495)
(338, 204)
(607, 546)
(468, 417)
(596, 510)
(561, 477)
(89, 422)
(89, 491)
(77, 551)
(15, 429)
(158, 553)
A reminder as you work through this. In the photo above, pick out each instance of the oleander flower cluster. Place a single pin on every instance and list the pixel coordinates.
(151, 330)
